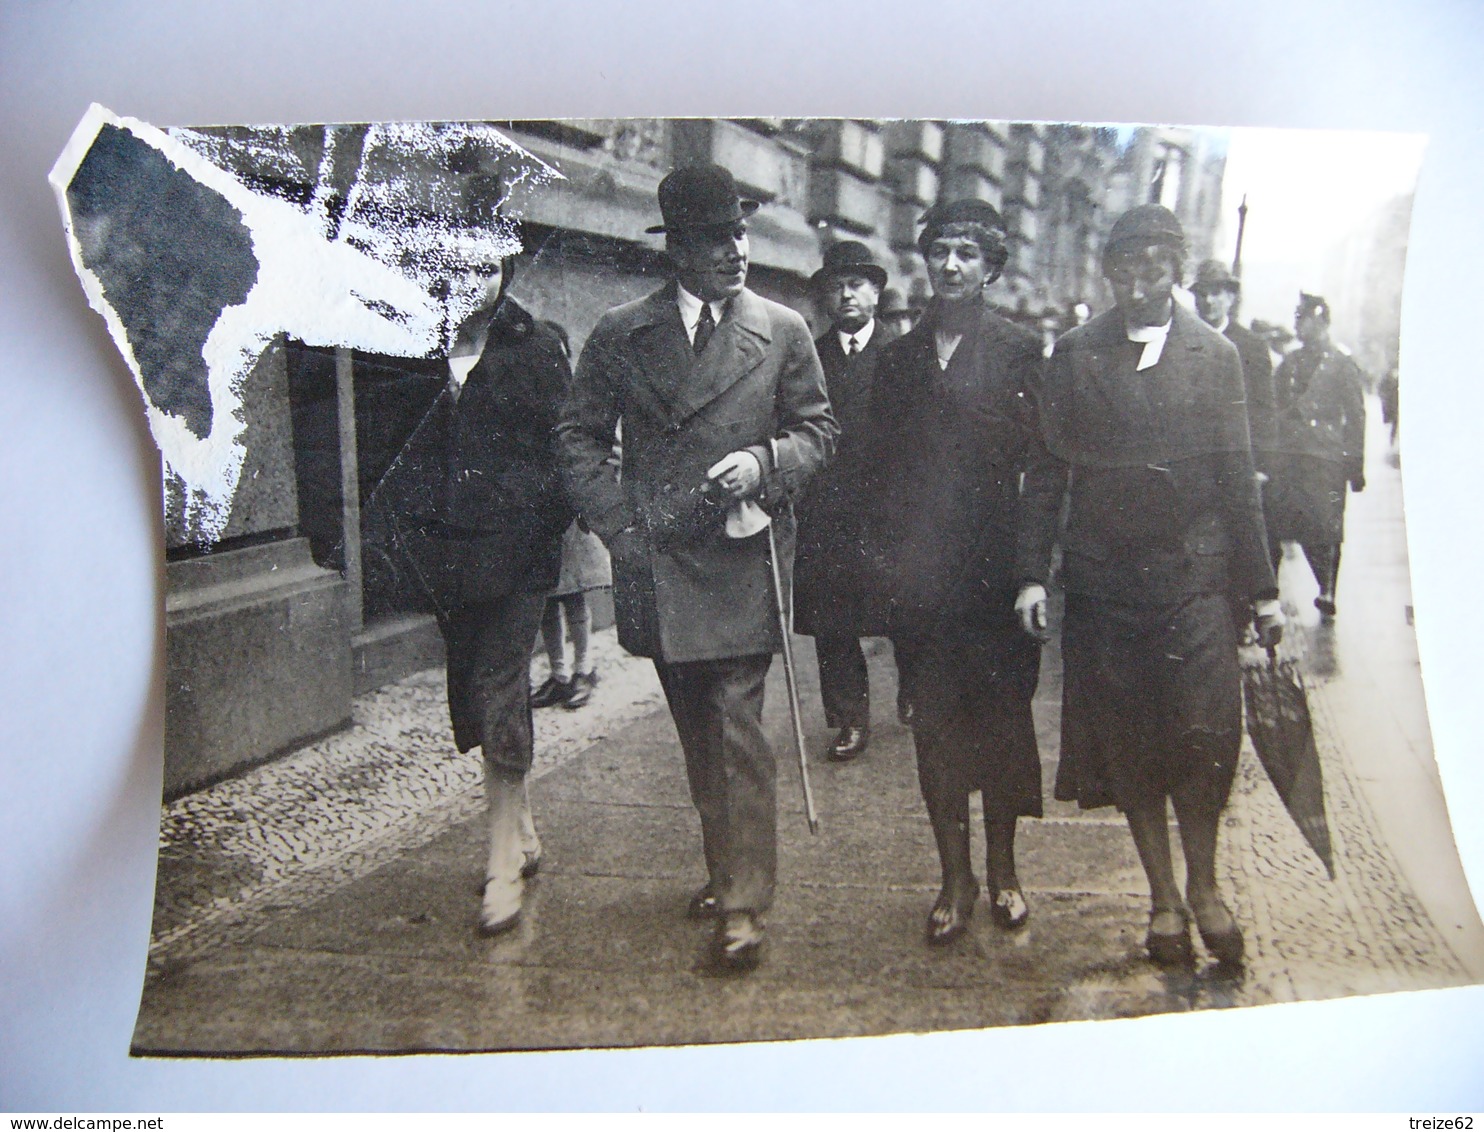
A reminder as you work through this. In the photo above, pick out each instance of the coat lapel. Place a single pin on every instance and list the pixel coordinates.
(735, 350)
(666, 362)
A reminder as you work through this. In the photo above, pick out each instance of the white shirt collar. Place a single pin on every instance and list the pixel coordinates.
(862, 337)
(690, 310)
(1153, 338)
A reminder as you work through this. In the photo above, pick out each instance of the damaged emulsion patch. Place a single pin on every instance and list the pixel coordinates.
(200, 247)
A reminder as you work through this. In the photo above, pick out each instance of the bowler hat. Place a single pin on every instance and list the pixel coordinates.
(1213, 275)
(850, 257)
(700, 196)
(1148, 225)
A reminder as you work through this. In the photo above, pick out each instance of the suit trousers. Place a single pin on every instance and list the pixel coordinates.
(843, 684)
(489, 677)
(717, 706)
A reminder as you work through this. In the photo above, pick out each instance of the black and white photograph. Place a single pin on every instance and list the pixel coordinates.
(667, 581)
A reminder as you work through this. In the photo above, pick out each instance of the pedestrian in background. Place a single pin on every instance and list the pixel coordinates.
(488, 550)
(1146, 436)
(831, 596)
(951, 430)
(1321, 448)
(722, 401)
(585, 567)
(1217, 295)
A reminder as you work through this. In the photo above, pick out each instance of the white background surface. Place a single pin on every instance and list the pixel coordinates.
(81, 627)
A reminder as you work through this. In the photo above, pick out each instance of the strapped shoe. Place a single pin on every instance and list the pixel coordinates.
(949, 920)
(580, 691)
(1223, 946)
(551, 693)
(1170, 950)
(703, 905)
(849, 744)
(1009, 909)
(738, 944)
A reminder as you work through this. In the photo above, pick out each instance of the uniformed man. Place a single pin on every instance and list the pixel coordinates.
(1320, 447)
(831, 599)
(722, 401)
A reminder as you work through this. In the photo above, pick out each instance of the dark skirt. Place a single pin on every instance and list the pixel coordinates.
(1152, 702)
(971, 691)
(489, 666)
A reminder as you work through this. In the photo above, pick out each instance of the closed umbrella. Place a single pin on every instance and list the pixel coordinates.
(1283, 732)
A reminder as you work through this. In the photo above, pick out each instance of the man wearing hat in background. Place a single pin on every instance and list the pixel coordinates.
(723, 402)
(1217, 293)
(830, 595)
(1321, 447)
(1147, 443)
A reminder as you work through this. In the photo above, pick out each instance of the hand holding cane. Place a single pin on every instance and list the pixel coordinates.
(745, 519)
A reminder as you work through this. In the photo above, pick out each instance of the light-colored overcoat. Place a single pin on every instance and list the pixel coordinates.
(683, 590)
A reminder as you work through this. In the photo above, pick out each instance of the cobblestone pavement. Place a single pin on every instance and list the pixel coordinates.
(326, 902)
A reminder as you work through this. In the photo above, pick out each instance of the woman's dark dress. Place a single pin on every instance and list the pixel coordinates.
(949, 449)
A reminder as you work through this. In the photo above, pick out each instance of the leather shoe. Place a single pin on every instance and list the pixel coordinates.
(551, 693)
(738, 944)
(949, 919)
(1167, 950)
(502, 906)
(580, 690)
(850, 743)
(703, 905)
(1009, 910)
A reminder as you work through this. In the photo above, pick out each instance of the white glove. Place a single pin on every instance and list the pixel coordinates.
(1030, 607)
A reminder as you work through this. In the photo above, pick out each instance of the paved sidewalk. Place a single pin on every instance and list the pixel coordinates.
(328, 902)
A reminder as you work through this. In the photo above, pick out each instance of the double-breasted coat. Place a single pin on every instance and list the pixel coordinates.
(683, 590)
(830, 569)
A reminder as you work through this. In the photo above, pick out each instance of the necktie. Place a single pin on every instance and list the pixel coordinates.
(855, 347)
(705, 326)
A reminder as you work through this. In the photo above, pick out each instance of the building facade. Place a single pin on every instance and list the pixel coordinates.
(305, 602)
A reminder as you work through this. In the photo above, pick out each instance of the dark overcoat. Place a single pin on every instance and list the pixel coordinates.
(1257, 376)
(948, 448)
(1321, 444)
(830, 568)
(686, 592)
(1164, 501)
(1164, 527)
(489, 519)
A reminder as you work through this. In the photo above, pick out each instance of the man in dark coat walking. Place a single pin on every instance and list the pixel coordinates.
(723, 402)
(1217, 292)
(1147, 447)
(1320, 448)
(831, 599)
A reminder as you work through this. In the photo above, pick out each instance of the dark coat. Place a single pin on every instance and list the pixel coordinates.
(687, 592)
(830, 572)
(1257, 376)
(1321, 408)
(1164, 502)
(490, 521)
(949, 447)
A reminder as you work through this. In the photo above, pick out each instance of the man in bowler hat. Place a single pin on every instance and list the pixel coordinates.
(1217, 292)
(723, 402)
(830, 597)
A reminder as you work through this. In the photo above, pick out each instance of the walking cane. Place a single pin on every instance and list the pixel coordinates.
(791, 679)
(744, 520)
